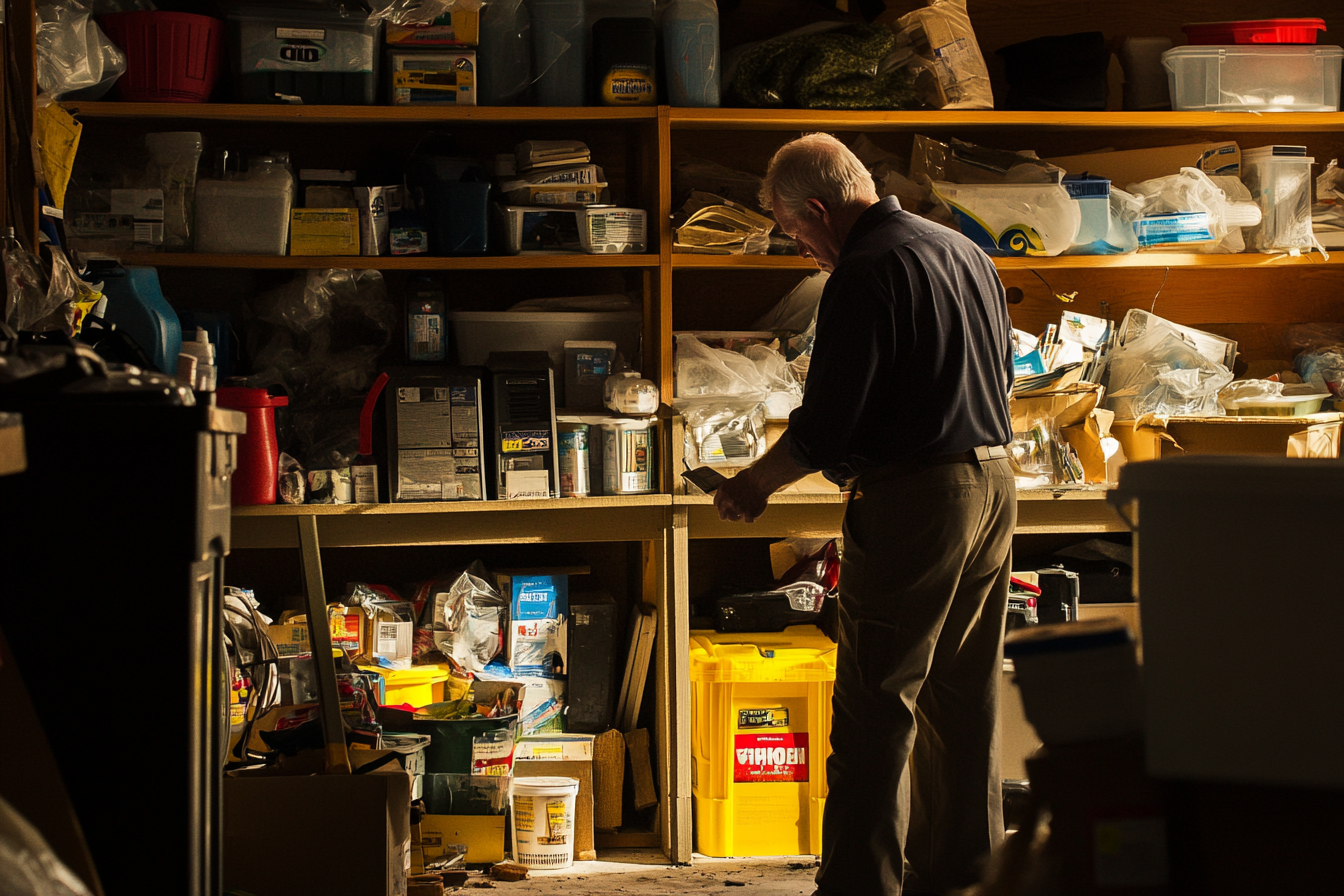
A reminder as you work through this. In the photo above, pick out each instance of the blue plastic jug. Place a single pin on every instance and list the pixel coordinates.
(136, 305)
(691, 45)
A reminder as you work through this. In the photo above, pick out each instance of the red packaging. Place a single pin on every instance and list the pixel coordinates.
(1254, 31)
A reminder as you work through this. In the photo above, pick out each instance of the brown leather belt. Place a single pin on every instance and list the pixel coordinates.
(970, 456)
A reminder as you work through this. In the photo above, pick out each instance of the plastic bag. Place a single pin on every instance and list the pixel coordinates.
(694, 175)
(1159, 373)
(937, 46)
(69, 298)
(506, 40)
(959, 162)
(25, 286)
(1248, 392)
(723, 430)
(417, 12)
(464, 616)
(75, 59)
(828, 66)
(28, 866)
(1224, 201)
(1320, 358)
(701, 370)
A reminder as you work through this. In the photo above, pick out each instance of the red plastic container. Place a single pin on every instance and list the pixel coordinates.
(171, 57)
(1254, 31)
(258, 454)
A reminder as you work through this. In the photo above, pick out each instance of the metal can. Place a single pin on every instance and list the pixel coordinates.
(574, 478)
(629, 460)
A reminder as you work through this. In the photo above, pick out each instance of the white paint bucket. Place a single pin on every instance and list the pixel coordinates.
(543, 821)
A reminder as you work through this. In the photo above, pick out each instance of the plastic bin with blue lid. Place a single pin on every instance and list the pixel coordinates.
(288, 54)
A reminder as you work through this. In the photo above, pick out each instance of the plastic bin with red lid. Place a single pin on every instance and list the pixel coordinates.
(1254, 31)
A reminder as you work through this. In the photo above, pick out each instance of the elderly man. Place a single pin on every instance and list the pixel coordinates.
(906, 400)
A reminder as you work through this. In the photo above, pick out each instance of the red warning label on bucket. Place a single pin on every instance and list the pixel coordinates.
(760, 758)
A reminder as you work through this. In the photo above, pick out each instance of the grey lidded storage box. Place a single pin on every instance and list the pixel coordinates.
(478, 333)
(1240, 642)
(319, 56)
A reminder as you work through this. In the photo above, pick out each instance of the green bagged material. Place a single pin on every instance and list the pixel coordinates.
(835, 69)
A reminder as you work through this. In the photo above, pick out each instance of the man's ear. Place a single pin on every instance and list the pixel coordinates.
(818, 209)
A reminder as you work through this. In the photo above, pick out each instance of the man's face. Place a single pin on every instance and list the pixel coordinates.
(813, 231)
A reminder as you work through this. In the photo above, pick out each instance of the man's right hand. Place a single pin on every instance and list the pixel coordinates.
(741, 499)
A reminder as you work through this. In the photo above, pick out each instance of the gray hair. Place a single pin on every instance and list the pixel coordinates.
(815, 166)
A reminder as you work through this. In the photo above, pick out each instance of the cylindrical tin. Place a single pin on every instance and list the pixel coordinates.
(629, 457)
(574, 479)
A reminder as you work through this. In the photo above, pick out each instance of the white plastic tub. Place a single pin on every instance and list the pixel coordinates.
(543, 821)
(1254, 78)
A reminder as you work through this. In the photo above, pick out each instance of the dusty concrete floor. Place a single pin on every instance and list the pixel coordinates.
(646, 873)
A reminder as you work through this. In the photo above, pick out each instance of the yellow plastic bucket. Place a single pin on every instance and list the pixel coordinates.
(417, 686)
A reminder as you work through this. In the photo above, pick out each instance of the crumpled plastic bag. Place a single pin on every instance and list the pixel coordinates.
(844, 67)
(1320, 358)
(25, 287)
(463, 616)
(1225, 200)
(418, 12)
(1158, 373)
(75, 59)
(1247, 392)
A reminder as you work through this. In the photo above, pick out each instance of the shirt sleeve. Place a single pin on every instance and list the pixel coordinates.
(854, 332)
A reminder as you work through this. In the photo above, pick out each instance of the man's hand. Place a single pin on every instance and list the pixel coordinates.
(741, 499)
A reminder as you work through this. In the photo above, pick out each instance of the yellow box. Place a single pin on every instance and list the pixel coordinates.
(324, 231)
(458, 27)
(419, 685)
(760, 736)
(483, 835)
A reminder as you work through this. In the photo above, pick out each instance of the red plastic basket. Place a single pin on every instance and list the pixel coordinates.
(171, 57)
(1254, 31)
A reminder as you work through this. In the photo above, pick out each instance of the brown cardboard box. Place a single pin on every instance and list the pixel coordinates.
(1130, 166)
(1081, 423)
(564, 756)
(1315, 435)
(319, 835)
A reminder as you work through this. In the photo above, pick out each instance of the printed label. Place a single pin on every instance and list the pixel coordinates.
(525, 440)
(765, 758)
(762, 718)
(301, 34)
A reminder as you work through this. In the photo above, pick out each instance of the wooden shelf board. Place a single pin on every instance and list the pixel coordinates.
(1135, 260)
(388, 262)
(786, 499)
(284, 114)
(632, 518)
(808, 119)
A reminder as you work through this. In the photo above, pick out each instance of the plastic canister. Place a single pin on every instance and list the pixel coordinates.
(1279, 178)
(574, 460)
(136, 305)
(258, 454)
(1014, 219)
(625, 62)
(559, 50)
(629, 455)
(543, 821)
(176, 155)
(691, 50)
(1093, 195)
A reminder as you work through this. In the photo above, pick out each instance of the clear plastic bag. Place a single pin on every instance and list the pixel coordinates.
(417, 12)
(1159, 373)
(506, 40)
(1320, 358)
(937, 46)
(1224, 200)
(729, 431)
(75, 59)
(694, 175)
(703, 371)
(25, 285)
(465, 617)
(959, 162)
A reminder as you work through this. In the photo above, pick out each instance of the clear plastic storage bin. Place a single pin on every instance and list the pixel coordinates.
(1279, 178)
(1258, 78)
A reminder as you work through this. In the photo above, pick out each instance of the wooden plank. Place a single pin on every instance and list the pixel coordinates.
(387, 262)
(809, 119)
(370, 115)
(634, 678)
(675, 699)
(469, 507)
(687, 261)
(319, 636)
(641, 771)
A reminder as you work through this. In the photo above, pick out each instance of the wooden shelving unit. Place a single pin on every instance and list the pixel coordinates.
(284, 114)
(691, 262)
(389, 262)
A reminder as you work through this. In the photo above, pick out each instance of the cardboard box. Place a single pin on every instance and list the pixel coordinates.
(342, 835)
(291, 633)
(538, 614)
(324, 231)
(482, 835)
(1315, 435)
(1131, 166)
(565, 756)
(1081, 423)
(434, 78)
(456, 28)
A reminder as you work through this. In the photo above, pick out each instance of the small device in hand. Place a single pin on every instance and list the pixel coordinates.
(707, 479)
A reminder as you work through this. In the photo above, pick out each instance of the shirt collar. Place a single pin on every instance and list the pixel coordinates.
(871, 218)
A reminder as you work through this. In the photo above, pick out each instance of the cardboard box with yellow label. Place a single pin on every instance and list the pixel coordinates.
(324, 231)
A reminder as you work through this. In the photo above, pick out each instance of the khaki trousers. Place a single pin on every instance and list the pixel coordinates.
(914, 789)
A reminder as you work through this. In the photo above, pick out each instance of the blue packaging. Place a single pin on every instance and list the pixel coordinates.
(538, 622)
(691, 47)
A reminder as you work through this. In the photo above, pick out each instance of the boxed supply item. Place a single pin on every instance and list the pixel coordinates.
(538, 616)
(290, 634)
(114, 220)
(1315, 435)
(285, 54)
(324, 231)
(465, 814)
(457, 27)
(1131, 166)
(354, 837)
(542, 230)
(613, 231)
(444, 77)
(564, 756)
